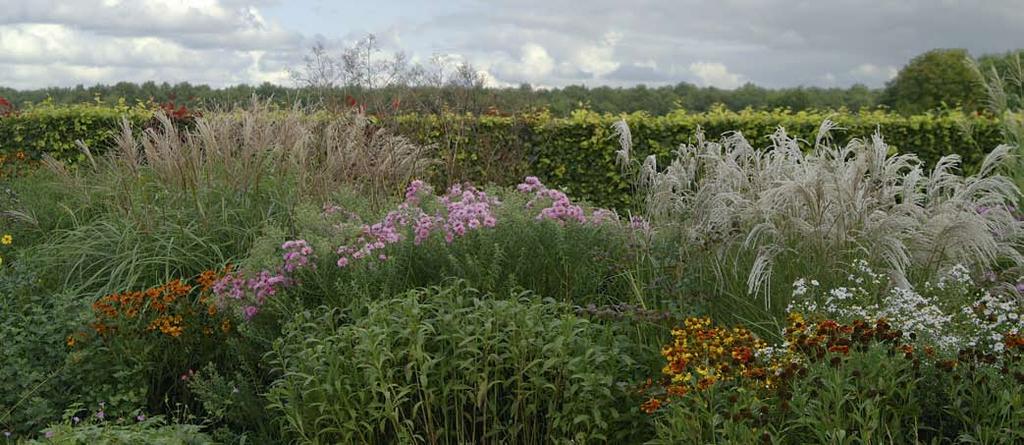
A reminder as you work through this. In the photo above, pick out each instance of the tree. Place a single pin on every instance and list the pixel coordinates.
(321, 71)
(933, 79)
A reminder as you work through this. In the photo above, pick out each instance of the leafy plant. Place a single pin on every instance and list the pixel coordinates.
(450, 364)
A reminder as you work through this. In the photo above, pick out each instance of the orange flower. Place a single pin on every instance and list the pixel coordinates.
(651, 405)
(842, 349)
(742, 354)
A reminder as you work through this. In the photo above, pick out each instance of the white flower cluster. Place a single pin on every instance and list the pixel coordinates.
(990, 318)
(951, 314)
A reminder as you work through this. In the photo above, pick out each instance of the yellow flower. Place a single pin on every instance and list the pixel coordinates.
(6, 240)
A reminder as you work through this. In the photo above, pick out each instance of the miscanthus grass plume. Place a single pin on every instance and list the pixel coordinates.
(789, 203)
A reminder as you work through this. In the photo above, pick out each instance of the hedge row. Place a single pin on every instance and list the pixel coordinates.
(576, 153)
(54, 129)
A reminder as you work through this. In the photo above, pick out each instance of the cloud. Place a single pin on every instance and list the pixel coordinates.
(104, 41)
(598, 60)
(716, 75)
(533, 65)
(772, 43)
(872, 72)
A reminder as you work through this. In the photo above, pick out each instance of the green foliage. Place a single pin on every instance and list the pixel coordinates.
(1003, 80)
(53, 130)
(153, 430)
(870, 396)
(34, 374)
(933, 80)
(577, 154)
(452, 365)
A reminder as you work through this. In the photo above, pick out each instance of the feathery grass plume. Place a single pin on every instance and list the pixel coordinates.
(1005, 91)
(243, 146)
(762, 208)
(621, 129)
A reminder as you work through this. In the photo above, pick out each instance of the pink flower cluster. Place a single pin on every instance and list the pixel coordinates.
(560, 208)
(254, 291)
(465, 208)
(298, 254)
(375, 237)
(468, 209)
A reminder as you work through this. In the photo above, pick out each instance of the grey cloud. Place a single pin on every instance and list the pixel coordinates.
(772, 43)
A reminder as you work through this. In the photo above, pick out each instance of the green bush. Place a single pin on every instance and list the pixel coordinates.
(54, 129)
(453, 365)
(576, 153)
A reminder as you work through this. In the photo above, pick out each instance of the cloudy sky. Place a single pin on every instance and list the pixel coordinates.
(724, 43)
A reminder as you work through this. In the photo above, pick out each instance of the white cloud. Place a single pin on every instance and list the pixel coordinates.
(533, 65)
(490, 81)
(715, 74)
(872, 72)
(217, 42)
(772, 43)
(598, 59)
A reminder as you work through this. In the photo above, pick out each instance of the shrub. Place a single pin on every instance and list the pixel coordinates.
(54, 130)
(451, 365)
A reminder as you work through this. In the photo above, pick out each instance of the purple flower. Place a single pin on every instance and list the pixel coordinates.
(76, 419)
(48, 433)
(140, 417)
(298, 254)
(250, 311)
(100, 414)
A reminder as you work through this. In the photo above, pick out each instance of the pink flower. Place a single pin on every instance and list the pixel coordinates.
(250, 311)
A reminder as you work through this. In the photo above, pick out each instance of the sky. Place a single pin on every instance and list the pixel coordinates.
(546, 43)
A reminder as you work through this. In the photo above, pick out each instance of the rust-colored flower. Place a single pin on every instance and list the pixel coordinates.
(651, 405)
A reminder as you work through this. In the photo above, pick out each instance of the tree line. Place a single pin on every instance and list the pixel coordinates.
(362, 76)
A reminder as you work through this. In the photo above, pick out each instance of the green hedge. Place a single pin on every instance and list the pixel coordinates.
(578, 153)
(54, 129)
(575, 153)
